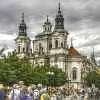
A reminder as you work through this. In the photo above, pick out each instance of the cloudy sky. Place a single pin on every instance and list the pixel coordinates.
(82, 21)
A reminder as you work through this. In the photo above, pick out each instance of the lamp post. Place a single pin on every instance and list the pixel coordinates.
(67, 71)
(49, 81)
(93, 89)
(69, 82)
(49, 77)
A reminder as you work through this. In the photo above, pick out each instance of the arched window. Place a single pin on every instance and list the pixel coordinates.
(56, 44)
(18, 49)
(50, 45)
(24, 50)
(27, 49)
(62, 44)
(74, 73)
(40, 47)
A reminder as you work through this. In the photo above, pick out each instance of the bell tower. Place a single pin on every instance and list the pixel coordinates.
(47, 27)
(22, 40)
(92, 59)
(59, 21)
(22, 27)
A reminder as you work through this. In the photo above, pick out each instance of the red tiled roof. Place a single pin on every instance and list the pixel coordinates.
(72, 52)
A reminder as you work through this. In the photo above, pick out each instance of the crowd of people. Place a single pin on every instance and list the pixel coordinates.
(20, 91)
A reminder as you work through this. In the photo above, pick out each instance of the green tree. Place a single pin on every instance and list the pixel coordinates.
(93, 78)
(56, 79)
(13, 70)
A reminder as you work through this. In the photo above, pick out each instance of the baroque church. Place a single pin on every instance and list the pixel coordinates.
(51, 47)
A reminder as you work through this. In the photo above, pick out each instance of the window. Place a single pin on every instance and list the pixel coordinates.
(40, 45)
(24, 50)
(18, 49)
(40, 48)
(61, 44)
(56, 44)
(50, 45)
(27, 49)
(74, 73)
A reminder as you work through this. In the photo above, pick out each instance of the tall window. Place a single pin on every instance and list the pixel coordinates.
(50, 45)
(56, 44)
(74, 73)
(62, 44)
(24, 50)
(18, 49)
(39, 48)
(27, 49)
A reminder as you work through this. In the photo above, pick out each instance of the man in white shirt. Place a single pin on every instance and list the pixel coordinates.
(15, 93)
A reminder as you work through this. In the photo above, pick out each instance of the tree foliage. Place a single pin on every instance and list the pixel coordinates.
(13, 70)
(93, 78)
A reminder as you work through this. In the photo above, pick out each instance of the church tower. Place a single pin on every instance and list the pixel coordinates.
(93, 60)
(59, 47)
(22, 41)
(47, 27)
(59, 21)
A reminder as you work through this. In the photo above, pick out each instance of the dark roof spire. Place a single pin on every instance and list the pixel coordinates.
(23, 17)
(47, 25)
(59, 4)
(59, 21)
(47, 19)
(93, 57)
(22, 27)
(59, 7)
(71, 43)
(92, 53)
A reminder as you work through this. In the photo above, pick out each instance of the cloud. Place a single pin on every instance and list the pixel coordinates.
(82, 20)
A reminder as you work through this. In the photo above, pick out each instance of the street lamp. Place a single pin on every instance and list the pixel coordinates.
(49, 77)
(50, 74)
(67, 71)
(93, 89)
(68, 82)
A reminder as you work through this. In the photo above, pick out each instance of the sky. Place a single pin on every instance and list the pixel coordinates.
(82, 21)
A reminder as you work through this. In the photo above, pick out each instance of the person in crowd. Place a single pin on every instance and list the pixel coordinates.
(2, 93)
(89, 91)
(45, 96)
(33, 86)
(59, 95)
(86, 96)
(15, 93)
(26, 95)
(36, 94)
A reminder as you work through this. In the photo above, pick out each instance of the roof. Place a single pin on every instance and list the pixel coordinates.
(72, 52)
(43, 34)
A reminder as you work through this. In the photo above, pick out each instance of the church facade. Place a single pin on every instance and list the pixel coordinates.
(51, 47)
